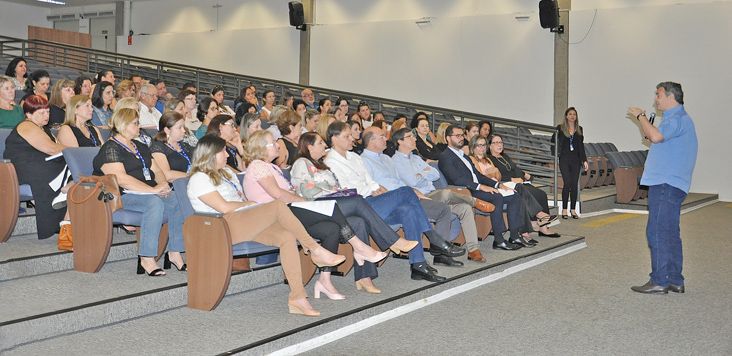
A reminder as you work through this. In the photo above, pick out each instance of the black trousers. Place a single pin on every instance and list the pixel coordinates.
(570, 168)
(329, 230)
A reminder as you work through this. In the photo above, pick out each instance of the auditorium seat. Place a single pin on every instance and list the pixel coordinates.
(11, 192)
(92, 219)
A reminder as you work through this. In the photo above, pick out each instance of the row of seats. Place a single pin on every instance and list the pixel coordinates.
(627, 170)
(601, 172)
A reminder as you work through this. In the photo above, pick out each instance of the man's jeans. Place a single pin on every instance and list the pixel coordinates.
(663, 234)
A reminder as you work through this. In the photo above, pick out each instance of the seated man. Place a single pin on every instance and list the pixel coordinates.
(416, 173)
(399, 206)
(384, 172)
(459, 170)
(309, 98)
(149, 115)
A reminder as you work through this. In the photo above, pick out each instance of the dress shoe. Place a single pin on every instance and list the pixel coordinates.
(505, 245)
(373, 257)
(401, 256)
(447, 261)
(444, 248)
(302, 307)
(484, 206)
(520, 242)
(547, 220)
(420, 271)
(476, 256)
(553, 235)
(533, 242)
(369, 288)
(676, 288)
(574, 215)
(324, 258)
(650, 288)
(434, 270)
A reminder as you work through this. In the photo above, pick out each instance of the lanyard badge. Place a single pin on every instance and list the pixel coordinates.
(145, 170)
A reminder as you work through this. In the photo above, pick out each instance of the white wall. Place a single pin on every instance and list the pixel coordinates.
(466, 58)
(253, 37)
(629, 50)
(15, 19)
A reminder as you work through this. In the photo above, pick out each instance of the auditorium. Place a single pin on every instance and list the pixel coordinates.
(365, 177)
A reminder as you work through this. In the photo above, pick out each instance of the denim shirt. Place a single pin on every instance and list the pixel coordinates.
(100, 117)
(414, 171)
(382, 169)
(672, 160)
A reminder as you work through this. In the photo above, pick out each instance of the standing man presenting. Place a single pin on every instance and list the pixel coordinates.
(667, 174)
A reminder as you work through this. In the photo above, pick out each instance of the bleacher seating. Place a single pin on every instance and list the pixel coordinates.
(627, 170)
(11, 192)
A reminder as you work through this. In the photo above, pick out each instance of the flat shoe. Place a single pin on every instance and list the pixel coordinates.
(553, 235)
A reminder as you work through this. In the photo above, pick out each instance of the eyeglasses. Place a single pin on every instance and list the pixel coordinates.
(497, 143)
(481, 145)
(458, 135)
(230, 123)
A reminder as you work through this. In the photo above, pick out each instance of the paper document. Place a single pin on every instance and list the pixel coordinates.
(324, 207)
(507, 192)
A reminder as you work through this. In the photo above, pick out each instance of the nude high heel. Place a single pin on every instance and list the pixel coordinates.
(324, 258)
(319, 288)
(375, 258)
(369, 288)
(302, 307)
(403, 245)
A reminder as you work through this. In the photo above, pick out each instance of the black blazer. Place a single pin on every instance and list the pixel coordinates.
(456, 173)
(563, 145)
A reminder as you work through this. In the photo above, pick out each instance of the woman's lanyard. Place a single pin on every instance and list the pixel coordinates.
(91, 136)
(145, 170)
(236, 188)
(571, 142)
(183, 153)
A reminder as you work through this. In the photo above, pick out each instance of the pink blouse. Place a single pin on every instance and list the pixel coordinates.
(258, 170)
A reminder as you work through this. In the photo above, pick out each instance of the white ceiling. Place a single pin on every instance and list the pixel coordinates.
(68, 2)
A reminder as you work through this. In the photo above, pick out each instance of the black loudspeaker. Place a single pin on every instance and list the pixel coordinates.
(548, 14)
(297, 15)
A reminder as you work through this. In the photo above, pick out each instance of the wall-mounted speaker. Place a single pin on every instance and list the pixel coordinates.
(297, 15)
(548, 14)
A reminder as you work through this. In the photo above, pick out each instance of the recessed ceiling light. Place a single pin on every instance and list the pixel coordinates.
(53, 2)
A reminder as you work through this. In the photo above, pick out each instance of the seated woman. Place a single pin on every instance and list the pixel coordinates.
(268, 102)
(356, 130)
(312, 118)
(290, 126)
(207, 110)
(190, 112)
(27, 147)
(471, 130)
(426, 142)
(83, 85)
(325, 106)
(485, 128)
(102, 98)
(61, 92)
(180, 107)
(323, 123)
(17, 71)
(224, 126)
(440, 139)
(77, 130)
(213, 187)
(250, 124)
(218, 94)
(171, 154)
(143, 189)
(126, 89)
(264, 183)
(10, 114)
(535, 197)
(313, 180)
(38, 83)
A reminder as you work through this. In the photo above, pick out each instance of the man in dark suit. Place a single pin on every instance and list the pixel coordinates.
(459, 170)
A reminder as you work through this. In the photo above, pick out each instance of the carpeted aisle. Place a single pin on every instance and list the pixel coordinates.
(581, 303)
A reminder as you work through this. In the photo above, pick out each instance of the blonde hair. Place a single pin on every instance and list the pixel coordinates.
(564, 126)
(204, 158)
(55, 98)
(121, 118)
(256, 146)
(124, 86)
(322, 128)
(74, 103)
(440, 133)
(127, 103)
(5, 79)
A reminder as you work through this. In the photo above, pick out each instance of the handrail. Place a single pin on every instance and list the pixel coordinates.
(528, 155)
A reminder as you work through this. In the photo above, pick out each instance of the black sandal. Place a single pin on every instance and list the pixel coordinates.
(154, 273)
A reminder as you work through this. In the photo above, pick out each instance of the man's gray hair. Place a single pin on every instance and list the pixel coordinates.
(672, 88)
(148, 89)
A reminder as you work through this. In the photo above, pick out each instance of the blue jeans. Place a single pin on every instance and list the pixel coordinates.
(401, 206)
(154, 211)
(663, 234)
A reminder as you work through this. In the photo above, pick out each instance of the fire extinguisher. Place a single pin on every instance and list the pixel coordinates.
(129, 38)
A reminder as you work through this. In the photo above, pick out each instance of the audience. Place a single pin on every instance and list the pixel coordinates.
(218, 94)
(188, 98)
(10, 114)
(207, 110)
(214, 188)
(250, 124)
(383, 170)
(471, 130)
(414, 172)
(323, 124)
(170, 153)
(364, 114)
(459, 171)
(17, 71)
(268, 100)
(290, 126)
(163, 95)
(308, 97)
(105, 76)
(126, 89)
(485, 128)
(324, 106)
(27, 147)
(149, 115)
(312, 179)
(426, 142)
(77, 130)
(61, 92)
(83, 86)
(144, 189)
(310, 124)
(37, 84)
(356, 129)
(400, 206)
(224, 126)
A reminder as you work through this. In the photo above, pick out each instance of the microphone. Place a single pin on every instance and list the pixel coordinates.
(651, 117)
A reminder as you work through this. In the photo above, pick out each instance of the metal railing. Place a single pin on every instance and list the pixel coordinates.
(528, 143)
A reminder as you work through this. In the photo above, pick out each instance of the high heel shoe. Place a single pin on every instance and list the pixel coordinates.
(368, 288)
(574, 215)
(306, 310)
(154, 273)
(547, 220)
(376, 258)
(403, 245)
(319, 288)
(167, 262)
(324, 258)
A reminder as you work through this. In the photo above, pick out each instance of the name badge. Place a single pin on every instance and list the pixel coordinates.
(146, 173)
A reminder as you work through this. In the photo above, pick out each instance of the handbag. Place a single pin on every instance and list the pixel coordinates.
(105, 189)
